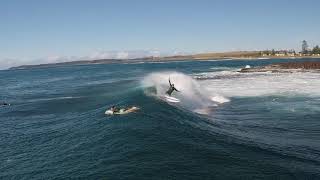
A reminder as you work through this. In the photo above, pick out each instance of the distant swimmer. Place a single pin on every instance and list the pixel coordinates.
(171, 88)
(5, 104)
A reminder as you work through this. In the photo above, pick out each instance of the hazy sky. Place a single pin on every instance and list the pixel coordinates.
(36, 31)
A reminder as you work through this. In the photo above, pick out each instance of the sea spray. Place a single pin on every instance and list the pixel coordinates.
(192, 96)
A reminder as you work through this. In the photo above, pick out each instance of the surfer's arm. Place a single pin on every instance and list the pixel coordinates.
(170, 82)
(176, 90)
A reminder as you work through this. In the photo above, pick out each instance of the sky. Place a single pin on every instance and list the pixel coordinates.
(45, 31)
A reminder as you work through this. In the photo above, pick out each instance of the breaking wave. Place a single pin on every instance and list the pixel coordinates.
(192, 95)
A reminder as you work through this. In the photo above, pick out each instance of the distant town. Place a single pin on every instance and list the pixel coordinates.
(305, 51)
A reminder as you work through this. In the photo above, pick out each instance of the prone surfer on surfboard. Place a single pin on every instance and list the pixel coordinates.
(171, 88)
(114, 109)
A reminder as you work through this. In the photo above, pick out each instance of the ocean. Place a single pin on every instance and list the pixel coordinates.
(227, 125)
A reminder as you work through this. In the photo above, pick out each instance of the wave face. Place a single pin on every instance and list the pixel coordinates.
(227, 125)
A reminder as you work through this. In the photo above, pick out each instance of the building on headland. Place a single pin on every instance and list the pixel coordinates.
(278, 53)
(306, 51)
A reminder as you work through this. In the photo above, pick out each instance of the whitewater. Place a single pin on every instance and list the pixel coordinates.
(204, 91)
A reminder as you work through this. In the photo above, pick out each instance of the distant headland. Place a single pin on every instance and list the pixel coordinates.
(203, 56)
(306, 52)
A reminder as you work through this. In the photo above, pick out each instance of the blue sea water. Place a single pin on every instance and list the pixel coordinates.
(228, 125)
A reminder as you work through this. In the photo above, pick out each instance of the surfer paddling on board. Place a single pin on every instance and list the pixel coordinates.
(114, 109)
(171, 88)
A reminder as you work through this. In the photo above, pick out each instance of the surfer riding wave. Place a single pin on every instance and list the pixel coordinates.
(193, 96)
(171, 88)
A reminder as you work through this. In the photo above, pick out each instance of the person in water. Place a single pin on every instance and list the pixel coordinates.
(5, 104)
(171, 88)
(114, 109)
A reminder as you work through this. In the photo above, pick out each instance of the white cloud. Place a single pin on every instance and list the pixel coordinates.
(12, 62)
(122, 55)
(7, 63)
(155, 53)
(100, 55)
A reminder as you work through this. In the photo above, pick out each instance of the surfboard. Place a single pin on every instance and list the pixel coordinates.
(171, 99)
(122, 111)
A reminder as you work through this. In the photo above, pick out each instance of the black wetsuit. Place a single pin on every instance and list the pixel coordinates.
(171, 89)
(115, 110)
(5, 104)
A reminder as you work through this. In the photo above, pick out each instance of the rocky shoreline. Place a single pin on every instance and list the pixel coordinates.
(289, 67)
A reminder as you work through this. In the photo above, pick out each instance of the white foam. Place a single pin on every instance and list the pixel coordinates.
(53, 98)
(220, 99)
(192, 95)
(220, 86)
(234, 84)
(182, 82)
(204, 111)
(217, 74)
(222, 68)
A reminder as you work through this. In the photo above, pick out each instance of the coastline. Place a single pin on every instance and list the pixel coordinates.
(243, 55)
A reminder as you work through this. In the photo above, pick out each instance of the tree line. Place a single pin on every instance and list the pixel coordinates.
(307, 51)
